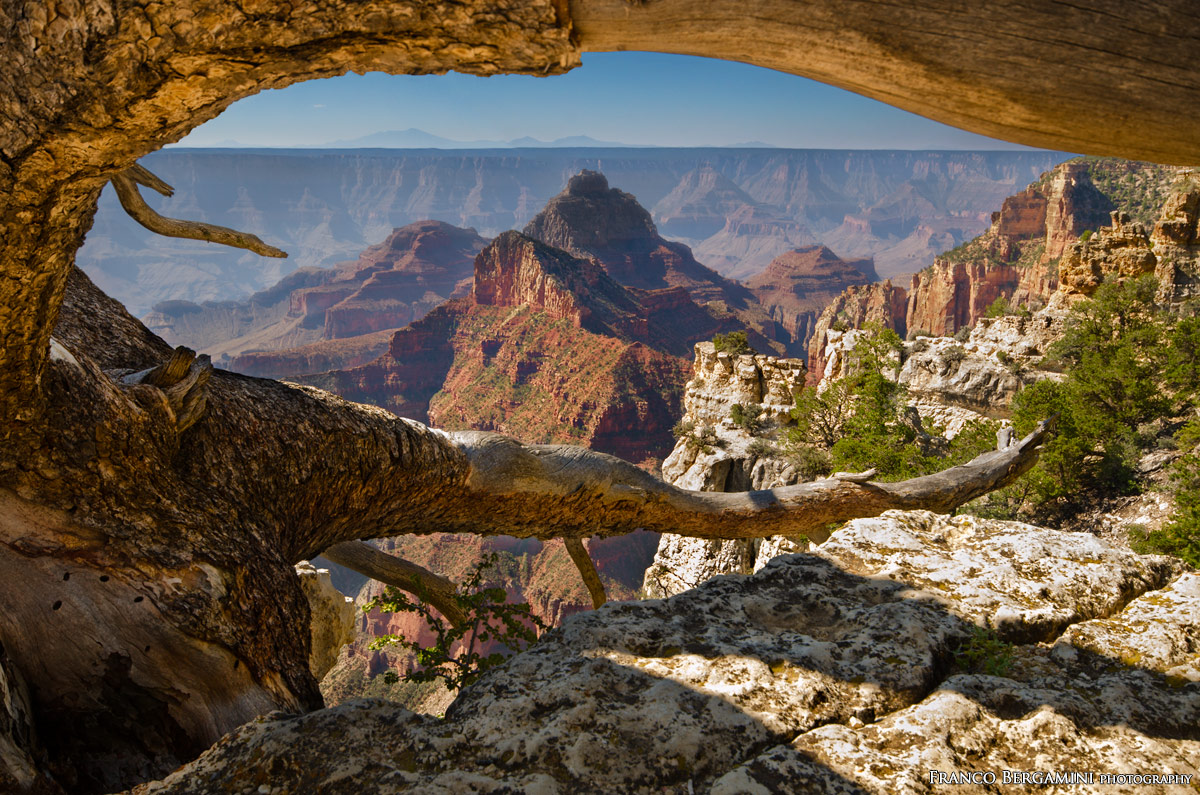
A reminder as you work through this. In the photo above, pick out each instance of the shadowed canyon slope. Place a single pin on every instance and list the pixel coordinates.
(323, 207)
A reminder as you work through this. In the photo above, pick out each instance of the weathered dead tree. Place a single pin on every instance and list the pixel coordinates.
(166, 610)
(148, 525)
(419, 581)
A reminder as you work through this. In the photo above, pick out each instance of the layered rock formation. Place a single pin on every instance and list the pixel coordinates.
(390, 285)
(1034, 242)
(1127, 249)
(590, 219)
(324, 207)
(842, 669)
(797, 286)
(952, 382)
(547, 346)
(882, 304)
(1015, 259)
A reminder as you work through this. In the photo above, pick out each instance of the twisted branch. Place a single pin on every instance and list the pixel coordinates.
(587, 570)
(431, 588)
(126, 184)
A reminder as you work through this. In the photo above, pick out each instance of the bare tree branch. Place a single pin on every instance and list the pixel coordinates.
(126, 184)
(432, 588)
(587, 570)
(548, 490)
(143, 176)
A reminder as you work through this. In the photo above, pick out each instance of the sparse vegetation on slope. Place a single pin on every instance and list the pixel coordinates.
(860, 421)
(1131, 382)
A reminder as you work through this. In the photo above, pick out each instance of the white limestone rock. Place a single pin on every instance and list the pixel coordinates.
(332, 617)
(1027, 583)
(828, 672)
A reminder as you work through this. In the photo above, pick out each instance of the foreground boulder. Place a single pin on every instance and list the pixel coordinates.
(832, 671)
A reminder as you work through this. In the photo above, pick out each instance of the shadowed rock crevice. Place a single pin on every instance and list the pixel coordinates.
(808, 674)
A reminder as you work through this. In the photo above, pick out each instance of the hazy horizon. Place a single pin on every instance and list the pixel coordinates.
(626, 99)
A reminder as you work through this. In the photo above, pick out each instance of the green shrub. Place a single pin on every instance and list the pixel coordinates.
(734, 343)
(489, 616)
(810, 461)
(1127, 364)
(703, 438)
(761, 448)
(985, 653)
(856, 422)
(750, 418)
(998, 308)
(954, 355)
(963, 334)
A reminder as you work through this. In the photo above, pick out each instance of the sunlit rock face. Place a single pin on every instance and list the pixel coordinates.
(736, 460)
(837, 670)
(797, 286)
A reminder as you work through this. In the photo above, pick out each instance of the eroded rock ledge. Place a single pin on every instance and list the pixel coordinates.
(831, 672)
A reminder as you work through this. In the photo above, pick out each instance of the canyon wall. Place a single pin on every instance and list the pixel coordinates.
(324, 207)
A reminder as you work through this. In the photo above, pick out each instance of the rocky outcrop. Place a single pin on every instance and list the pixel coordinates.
(734, 460)
(982, 373)
(881, 304)
(1015, 259)
(593, 221)
(332, 617)
(842, 669)
(1127, 249)
(797, 286)
(537, 573)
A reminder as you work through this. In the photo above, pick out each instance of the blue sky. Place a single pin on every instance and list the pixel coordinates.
(636, 98)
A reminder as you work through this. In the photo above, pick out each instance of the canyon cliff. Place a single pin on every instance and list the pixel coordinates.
(797, 286)
(547, 346)
(882, 304)
(1016, 259)
(324, 207)
(1084, 218)
(390, 285)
